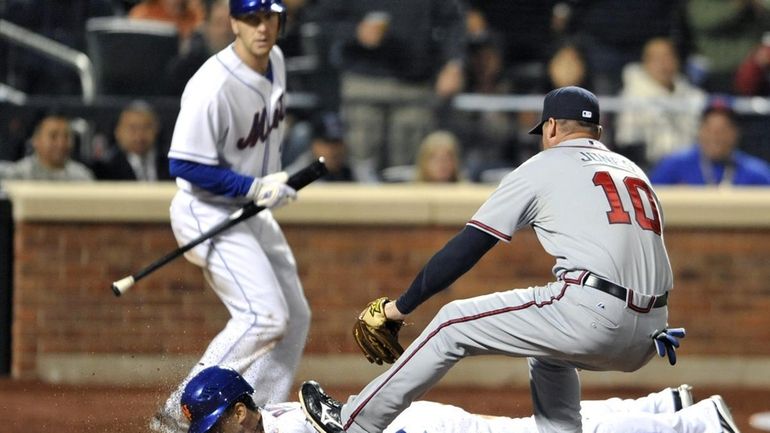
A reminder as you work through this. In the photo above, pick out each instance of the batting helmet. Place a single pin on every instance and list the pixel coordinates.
(209, 394)
(244, 7)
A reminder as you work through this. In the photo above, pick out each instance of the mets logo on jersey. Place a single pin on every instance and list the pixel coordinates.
(187, 413)
(261, 128)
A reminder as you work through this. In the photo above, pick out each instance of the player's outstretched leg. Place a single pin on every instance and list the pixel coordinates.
(725, 417)
(322, 411)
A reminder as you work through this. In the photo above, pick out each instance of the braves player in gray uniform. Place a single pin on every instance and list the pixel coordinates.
(225, 152)
(595, 212)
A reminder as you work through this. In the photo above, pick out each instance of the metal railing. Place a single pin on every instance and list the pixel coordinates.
(12, 95)
(56, 51)
(749, 105)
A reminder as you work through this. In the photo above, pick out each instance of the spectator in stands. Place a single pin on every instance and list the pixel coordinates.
(211, 37)
(489, 131)
(484, 57)
(724, 33)
(613, 32)
(16, 127)
(52, 142)
(291, 35)
(186, 15)
(438, 159)
(714, 160)
(61, 21)
(327, 140)
(136, 155)
(567, 67)
(753, 75)
(663, 107)
(403, 56)
(523, 29)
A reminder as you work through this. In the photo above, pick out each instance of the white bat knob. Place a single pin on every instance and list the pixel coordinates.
(119, 287)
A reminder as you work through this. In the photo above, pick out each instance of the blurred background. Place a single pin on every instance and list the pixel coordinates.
(476, 70)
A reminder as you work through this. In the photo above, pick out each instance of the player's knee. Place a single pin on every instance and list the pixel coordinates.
(449, 311)
(446, 340)
(267, 327)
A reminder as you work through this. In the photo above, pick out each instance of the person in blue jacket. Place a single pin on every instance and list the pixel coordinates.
(714, 159)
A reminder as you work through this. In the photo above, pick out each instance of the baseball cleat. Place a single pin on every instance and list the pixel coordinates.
(682, 396)
(322, 411)
(725, 417)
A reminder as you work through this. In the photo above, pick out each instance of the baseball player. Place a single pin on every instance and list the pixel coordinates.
(218, 400)
(595, 212)
(225, 151)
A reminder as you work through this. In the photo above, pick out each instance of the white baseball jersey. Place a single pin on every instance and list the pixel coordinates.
(653, 413)
(232, 117)
(591, 209)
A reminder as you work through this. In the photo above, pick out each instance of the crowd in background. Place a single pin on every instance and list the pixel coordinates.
(385, 73)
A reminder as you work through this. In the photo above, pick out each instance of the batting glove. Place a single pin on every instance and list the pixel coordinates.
(271, 191)
(666, 342)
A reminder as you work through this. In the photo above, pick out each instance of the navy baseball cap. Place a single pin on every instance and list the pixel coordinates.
(572, 103)
(328, 126)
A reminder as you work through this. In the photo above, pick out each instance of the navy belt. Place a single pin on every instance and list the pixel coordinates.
(624, 294)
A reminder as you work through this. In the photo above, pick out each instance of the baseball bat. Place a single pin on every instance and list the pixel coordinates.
(297, 181)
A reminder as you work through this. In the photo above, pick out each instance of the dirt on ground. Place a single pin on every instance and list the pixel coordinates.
(34, 407)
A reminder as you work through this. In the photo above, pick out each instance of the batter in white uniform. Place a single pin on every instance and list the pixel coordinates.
(218, 401)
(595, 212)
(225, 151)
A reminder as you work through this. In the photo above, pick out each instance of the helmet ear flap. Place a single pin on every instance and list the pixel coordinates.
(209, 394)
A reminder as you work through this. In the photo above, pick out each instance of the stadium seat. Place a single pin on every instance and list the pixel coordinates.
(130, 55)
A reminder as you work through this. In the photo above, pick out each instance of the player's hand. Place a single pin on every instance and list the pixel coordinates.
(272, 191)
(666, 342)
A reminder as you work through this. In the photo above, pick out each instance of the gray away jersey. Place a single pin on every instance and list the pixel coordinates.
(591, 209)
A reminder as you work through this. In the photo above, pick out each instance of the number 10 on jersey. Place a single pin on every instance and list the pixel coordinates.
(635, 187)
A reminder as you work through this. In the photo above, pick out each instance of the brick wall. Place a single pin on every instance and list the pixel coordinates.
(63, 271)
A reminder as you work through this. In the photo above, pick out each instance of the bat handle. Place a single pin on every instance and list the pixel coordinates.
(297, 181)
(120, 286)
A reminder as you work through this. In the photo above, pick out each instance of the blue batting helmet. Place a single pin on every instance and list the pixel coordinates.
(244, 7)
(209, 394)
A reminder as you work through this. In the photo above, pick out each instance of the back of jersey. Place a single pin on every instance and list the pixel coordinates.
(603, 216)
(591, 209)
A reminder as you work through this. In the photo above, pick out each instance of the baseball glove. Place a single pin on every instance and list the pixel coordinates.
(376, 335)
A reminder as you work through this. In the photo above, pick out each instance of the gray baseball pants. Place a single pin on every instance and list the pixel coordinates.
(559, 327)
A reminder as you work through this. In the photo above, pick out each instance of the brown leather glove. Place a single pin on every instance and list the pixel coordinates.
(376, 335)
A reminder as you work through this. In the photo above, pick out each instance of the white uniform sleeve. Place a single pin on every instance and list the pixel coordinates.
(200, 126)
(285, 418)
(510, 207)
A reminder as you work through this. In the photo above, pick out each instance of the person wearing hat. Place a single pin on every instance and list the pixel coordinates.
(714, 160)
(327, 141)
(218, 400)
(595, 212)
